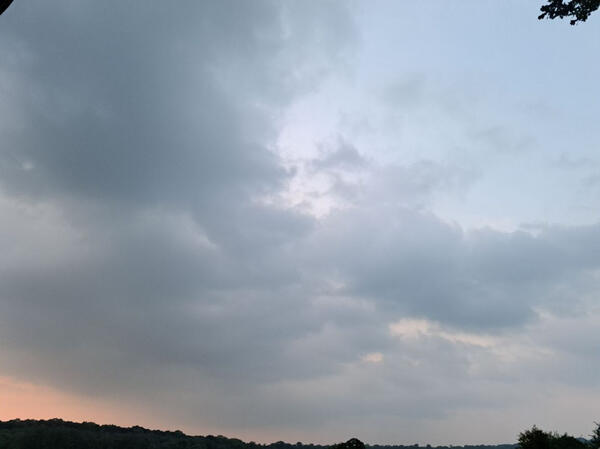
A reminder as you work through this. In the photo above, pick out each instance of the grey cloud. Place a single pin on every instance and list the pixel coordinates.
(417, 183)
(503, 140)
(364, 183)
(412, 263)
(164, 116)
(153, 302)
(406, 93)
(345, 156)
(148, 130)
(567, 162)
(143, 263)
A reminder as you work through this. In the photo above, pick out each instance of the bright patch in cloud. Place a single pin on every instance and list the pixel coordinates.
(419, 328)
(373, 357)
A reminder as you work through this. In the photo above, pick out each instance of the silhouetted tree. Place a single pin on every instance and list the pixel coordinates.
(534, 439)
(352, 443)
(565, 442)
(538, 439)
(594, 441)
(578, 10)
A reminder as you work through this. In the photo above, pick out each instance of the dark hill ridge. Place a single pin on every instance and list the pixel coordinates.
(59, 434)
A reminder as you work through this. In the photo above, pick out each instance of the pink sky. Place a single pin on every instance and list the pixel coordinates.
(29, 401)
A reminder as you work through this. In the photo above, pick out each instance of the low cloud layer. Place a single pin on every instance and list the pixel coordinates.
(161, 250)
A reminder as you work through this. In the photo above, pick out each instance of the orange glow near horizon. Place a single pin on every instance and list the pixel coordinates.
(24, 400)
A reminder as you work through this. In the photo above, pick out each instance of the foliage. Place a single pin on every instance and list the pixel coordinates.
(59, 434)
(535, 438)
(4, 4)
(566, 442)
(579, 10)
(594, 441)
(352, 443)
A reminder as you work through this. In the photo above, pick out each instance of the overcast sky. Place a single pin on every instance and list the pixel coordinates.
(301, 220)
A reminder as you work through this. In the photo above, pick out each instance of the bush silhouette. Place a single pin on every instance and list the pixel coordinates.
(352, 443)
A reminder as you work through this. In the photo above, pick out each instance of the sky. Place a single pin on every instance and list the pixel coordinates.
(300, 221)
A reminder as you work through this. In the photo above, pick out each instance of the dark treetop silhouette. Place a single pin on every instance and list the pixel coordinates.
(59, 434)
(4, 4)
(579, 10)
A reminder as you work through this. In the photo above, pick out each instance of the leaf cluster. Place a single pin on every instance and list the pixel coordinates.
(536, 438)
(579, 10)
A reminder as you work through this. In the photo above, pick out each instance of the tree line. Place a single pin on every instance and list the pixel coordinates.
(59, 434)
(536, 438)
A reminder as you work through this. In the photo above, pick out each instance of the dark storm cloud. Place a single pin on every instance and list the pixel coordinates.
(147, 131)
(137, 105)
